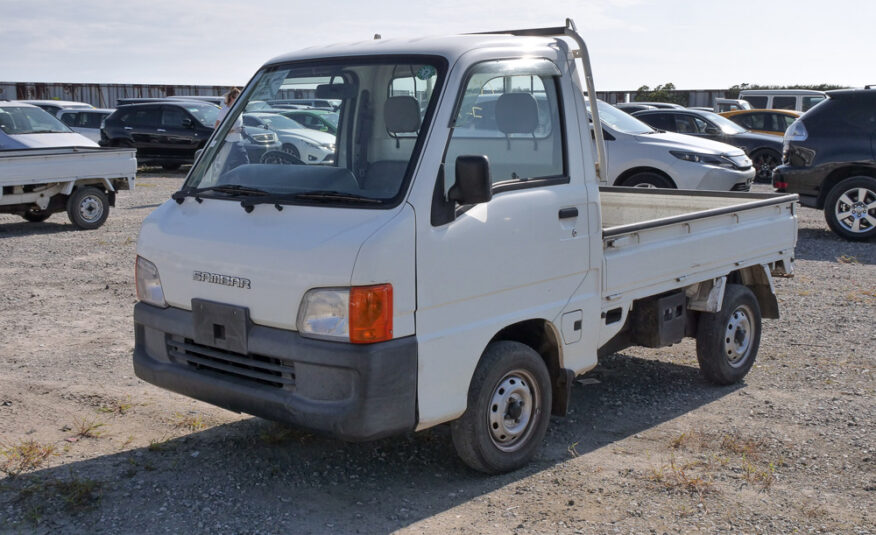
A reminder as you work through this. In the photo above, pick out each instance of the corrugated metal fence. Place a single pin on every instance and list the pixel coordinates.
(106, 95)
(100, 95)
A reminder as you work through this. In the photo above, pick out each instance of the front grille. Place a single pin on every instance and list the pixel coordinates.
(253, 368)
(741, 186)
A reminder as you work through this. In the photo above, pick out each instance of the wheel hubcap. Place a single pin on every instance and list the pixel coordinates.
(90, 208)
(738, 336)
(856, 210)
(513, 409)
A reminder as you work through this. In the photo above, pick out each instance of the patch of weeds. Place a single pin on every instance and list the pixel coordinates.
(191, 422)
(159, 445)
(73, 494)
(847, 259)
(276, 434)
(765, 477)
(24, 456)
(78, 494)
(127, 441)
(87, 428)
(34, 514)
(116, 407)
(675, 477)
(741, 446)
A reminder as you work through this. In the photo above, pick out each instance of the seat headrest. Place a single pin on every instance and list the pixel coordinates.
(516, 113)
(401, 114)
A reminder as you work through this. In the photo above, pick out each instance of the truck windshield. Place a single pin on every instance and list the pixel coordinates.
(26, 120)
(384, 107)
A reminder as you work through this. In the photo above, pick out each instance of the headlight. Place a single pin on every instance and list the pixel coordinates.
(264, 138)
(328, 146)
(706, 159)
(148, 283)
(360, 315)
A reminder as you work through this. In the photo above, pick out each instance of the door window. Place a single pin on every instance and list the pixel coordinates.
(808, 102)
(660, 121)
(685, 125)
(70, 119)
(90, 120)
(784, 103)
(510, 113)
(173, 118)
(145, 117)
(757, 102)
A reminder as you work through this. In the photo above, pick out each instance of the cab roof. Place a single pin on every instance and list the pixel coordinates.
(449, 47)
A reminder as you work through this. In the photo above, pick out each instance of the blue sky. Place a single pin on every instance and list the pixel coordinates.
(696, 44)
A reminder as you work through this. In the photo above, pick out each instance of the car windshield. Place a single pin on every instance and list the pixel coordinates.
(620, 120)
(365, 162)
(275, 121)
(205, 113)
(726, 125)
(27, 120)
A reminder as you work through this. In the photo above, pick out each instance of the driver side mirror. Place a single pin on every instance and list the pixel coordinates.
(713, 130)
(188, 123)
(473, 182)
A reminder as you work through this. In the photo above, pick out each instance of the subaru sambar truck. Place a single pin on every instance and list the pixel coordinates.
(458, 259)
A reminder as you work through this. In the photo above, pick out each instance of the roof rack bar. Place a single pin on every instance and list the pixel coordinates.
(569, 30)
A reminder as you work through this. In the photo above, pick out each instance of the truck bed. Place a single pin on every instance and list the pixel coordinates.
(657, 240)
(56, 165)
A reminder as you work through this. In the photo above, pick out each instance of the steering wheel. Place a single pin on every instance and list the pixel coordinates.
(278, 157)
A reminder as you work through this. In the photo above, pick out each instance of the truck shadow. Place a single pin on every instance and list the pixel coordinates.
(253, 475)
(822, 245)
(25, 228)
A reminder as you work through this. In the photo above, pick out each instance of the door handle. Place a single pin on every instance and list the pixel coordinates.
(566, 213)
(129, 128)
(160, 130)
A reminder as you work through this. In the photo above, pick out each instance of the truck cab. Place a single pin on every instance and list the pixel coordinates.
(448, 264)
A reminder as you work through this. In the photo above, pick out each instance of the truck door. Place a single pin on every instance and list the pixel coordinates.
(519, 256)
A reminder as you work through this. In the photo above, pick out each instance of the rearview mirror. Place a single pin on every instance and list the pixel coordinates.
(335, 91)
(473, 183)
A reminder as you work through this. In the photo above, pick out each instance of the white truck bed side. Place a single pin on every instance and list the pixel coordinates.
(117, 167)
(658, 240)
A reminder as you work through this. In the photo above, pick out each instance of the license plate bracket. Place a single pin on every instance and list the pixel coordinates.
(220, 325)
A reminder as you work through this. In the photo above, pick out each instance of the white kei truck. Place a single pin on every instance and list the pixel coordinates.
(456, 262)
(83, 181)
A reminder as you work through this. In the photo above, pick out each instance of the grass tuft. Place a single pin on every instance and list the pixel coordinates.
(191, 422)
(24, 456)
(87, 427)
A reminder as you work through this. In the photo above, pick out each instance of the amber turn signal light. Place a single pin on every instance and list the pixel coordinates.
(370, 314)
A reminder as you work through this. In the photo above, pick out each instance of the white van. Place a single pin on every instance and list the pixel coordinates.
(23, 126)
(782, 99)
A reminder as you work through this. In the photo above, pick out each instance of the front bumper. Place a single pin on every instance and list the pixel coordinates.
(723, 179)
(353, 392)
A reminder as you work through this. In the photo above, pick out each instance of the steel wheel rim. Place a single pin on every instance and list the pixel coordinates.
(855, 210)
(645, 185)
(90, 208)
(739, 336)
(513, 410)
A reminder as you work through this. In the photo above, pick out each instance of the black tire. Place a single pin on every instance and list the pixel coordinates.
(728, 340)
(87, 207)
(852, 196)
(499, 432)
(171, 166)
(36, 215)
(647, 179)
(292, 150)
(764, 161)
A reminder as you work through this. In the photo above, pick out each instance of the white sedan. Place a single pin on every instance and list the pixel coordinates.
(308, 145)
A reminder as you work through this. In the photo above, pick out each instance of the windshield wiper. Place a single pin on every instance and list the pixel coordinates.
(230, 189)
(328, 195)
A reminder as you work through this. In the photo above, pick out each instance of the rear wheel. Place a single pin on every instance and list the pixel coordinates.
(728, 340)
(36, 215)
(764, 161)
(508, 409)
(850, 208)
(292, 150)
(648, 180)
(87, 207)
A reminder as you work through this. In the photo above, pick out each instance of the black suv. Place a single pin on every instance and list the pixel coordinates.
(829, 160)
(169, 133)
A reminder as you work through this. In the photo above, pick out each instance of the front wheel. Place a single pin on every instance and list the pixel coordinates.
(648, 180)
(728, 340)
(87, 207)
(850, 208)
(36, 215)
(508, 409)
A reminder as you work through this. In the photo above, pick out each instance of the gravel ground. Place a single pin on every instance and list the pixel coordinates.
(649, 446)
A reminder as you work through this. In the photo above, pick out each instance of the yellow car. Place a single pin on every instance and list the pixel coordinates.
(773, 122)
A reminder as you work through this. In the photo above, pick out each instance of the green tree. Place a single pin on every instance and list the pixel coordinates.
(661, 93)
